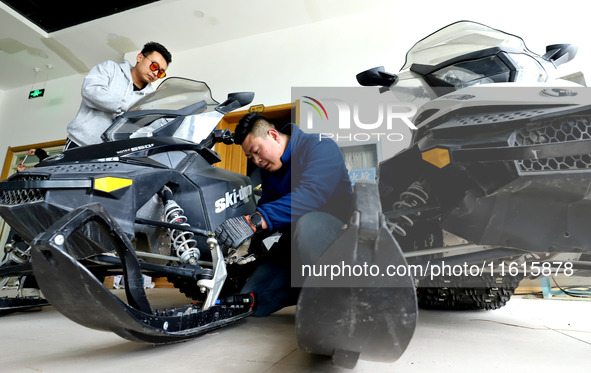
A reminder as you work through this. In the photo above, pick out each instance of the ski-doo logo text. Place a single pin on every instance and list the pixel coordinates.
(363, 122)
(234, 199)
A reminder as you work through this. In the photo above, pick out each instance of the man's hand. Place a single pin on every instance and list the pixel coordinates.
(235, 231)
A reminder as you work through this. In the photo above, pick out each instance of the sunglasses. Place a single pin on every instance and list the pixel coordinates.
(154, 66)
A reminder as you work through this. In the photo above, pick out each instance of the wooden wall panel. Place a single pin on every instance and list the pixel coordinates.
(233, 158)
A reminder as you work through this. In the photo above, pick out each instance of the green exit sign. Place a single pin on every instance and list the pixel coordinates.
(36, 93)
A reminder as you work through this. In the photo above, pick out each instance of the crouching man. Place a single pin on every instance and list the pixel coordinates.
(307, 196)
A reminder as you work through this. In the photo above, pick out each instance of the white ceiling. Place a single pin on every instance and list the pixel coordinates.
(178, 24)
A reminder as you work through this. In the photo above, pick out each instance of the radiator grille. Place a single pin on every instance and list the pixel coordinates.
(23, 195)
(560, 130)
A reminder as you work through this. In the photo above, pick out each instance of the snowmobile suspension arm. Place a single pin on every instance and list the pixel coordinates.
(161, 224)
(194, 273)
(407, 211)
(19, 269)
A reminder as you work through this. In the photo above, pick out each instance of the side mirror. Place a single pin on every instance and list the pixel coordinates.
(234, 101)
(376, 77)
(560, 53)
(243, 98)
(225, 136)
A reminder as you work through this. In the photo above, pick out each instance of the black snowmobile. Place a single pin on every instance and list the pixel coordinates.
(494, 186)
(501, 171)
(492, 189)
(144, 202)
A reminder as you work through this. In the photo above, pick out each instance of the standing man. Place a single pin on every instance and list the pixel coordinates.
(110, 89)
(307, 195)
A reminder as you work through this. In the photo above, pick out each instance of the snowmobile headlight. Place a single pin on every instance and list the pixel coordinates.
(109, 184)
(438, 157)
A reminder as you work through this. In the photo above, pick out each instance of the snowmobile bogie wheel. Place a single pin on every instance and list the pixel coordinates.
(237, 276)
(188, 287)
(450, 294)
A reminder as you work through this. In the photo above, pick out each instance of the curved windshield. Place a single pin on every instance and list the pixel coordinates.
(458, 39)
(179, 107)
(175, 94)
(465, 54)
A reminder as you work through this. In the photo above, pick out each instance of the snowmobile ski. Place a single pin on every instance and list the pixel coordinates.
(77, 293)
(369, 317)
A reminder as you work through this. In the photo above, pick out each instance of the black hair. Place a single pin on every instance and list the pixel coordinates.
(250, 124)
(152, 46)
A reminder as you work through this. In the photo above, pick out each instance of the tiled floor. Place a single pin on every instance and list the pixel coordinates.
(528, 335)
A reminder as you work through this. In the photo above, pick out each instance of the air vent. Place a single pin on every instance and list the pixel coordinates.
(560, 130)
(23, 195)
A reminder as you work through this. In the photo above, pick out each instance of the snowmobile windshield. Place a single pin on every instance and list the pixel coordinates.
(179, 107)
(465, 54)
(175, 94)
(459, 39)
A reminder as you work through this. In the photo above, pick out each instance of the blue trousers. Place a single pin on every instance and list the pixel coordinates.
(312, 234)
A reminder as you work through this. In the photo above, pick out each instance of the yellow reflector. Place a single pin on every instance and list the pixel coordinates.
(109, 184)
(437, 157)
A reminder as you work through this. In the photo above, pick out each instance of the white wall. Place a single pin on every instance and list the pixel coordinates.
(328, 53)
(28, 121)
(332, 52)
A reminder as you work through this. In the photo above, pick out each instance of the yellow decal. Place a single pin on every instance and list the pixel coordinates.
(437, 157)
(109, 184)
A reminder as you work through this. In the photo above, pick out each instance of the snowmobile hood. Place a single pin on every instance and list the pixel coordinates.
(139, 149)
(499, 103)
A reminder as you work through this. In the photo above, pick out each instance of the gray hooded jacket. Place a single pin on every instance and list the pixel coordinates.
(107, 92)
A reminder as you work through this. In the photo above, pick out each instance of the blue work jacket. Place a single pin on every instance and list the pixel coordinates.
(313, 177)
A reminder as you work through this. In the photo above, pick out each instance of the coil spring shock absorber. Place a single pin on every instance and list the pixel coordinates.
(414, 196)
(15, 255)
(183, 242)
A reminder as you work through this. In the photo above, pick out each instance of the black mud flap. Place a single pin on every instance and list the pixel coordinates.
(75, 292)
(367, 312)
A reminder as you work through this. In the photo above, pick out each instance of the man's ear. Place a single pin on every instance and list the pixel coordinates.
(274, 134)
(139, 57)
